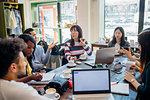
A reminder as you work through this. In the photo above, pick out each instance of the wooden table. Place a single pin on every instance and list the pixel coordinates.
(100, 45)
(114, 77)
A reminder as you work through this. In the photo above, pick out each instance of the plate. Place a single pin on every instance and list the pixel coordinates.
(82, 59)
(66, 77)
(117, 54)
(78, 62)
(73, 65)
(57, 96)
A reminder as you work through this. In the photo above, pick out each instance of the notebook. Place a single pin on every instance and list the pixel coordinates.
(120, 88)
(103, 56)
(91, 84)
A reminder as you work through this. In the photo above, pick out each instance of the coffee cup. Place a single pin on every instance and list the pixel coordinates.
(51, 93)
(66, 73)
(71, 62)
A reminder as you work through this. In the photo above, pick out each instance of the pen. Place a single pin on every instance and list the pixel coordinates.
(114, 83)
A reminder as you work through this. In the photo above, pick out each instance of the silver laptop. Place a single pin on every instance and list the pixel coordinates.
(91, 84)
(103, 56)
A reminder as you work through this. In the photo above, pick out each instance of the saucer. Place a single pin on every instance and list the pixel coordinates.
(83, 59)
(57, 96)
(72, 65)
(117, 54)
(66, 77)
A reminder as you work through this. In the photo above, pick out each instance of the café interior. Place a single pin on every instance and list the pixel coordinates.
(90, 49)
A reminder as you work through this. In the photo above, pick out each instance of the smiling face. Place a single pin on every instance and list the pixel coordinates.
(118, 34)
(74, 34)
(28, 51)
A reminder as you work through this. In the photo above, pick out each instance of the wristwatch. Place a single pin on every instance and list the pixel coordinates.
(132, 80)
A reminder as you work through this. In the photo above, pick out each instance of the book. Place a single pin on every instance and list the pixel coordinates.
(120, 88)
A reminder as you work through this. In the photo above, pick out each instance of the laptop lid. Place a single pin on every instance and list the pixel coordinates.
(90, 81)
(105, 56)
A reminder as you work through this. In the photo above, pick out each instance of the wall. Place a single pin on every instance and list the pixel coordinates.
(88, 18)
(27, 13)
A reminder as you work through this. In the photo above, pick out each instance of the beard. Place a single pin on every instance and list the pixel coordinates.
(21, 72)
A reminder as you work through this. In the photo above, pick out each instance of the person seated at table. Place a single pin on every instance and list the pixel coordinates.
(76, 46)
(40, 58)
(118, 40)
(143, 89)
(28, 39)
(13, 65)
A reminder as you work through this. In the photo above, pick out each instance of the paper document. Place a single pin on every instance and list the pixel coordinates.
(120, 88)
(47, 77)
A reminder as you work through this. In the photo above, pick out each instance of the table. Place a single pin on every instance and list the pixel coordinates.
(114, 77)
(100, 45)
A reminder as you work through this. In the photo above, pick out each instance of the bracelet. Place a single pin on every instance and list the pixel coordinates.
(132, 80)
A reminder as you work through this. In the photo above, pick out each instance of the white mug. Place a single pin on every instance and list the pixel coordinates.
(71, 62)
(51, 93)
(66, 73)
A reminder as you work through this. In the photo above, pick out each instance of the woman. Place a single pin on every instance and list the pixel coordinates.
(76, 46)
(144, 47)
(118, 39)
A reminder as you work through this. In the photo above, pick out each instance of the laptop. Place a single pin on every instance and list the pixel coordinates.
(103, 56)
(91, 84)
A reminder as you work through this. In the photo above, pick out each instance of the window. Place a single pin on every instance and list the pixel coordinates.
(147, 14)
(124, 13)
(68, 18)
(52, 21)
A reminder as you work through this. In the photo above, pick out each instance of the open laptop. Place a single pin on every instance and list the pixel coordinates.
(103, 56)
(91, 84)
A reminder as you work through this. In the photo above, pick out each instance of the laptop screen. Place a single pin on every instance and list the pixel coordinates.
(91, 81)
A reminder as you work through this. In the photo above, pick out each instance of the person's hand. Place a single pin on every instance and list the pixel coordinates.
(128, 53)
(135, 67)
(82, 43)
(52, 45)
(128, 76)
(36, 77)
(42, 71)
(74, 58)
(120, 51)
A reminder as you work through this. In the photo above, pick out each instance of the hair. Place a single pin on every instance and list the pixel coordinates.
(26, 38)
(9, 53)
(144, 41)
(122, 38)
(78, 28)
(27, 31)
(44, 44)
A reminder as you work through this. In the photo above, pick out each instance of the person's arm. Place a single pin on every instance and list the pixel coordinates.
(67, 52)
(130, 78)
(36, 77)
(21, 91)
(45, 57)
(145, 88)
(84, 44)
(128, 53)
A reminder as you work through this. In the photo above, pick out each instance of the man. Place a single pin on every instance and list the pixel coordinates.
(40, 58)
(13, 65)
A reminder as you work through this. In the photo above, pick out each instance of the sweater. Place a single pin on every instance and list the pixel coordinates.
(76, 50)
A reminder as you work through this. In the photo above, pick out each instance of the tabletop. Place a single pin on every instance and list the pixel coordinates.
(114, 77)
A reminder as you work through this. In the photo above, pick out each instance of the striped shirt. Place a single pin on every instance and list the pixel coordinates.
(76, 50)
